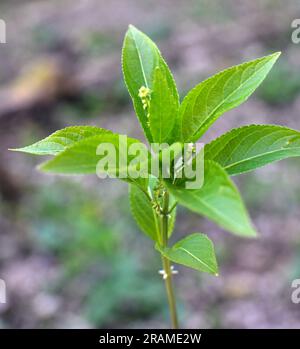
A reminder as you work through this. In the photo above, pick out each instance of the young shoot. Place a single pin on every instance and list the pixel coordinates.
(166, 122)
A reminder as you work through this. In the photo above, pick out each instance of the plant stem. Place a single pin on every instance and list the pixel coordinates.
(170, 292)
(166, 263)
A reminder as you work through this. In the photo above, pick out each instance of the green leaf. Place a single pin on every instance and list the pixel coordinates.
(218, 200)
(195, 251)
(246, 148)
(140, 57)
(82, 157)
(220, 93)
(62, 139)
(144, 214)
(163, 108)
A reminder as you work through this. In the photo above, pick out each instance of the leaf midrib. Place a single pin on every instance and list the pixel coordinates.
(220, 213)
(140, 60)
(258, 156)
(197, 259)
(227, 222)
(223, 101)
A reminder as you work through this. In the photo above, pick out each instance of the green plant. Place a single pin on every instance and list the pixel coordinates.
(165, 120)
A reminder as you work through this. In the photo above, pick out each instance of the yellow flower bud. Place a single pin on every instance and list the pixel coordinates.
(144, 92)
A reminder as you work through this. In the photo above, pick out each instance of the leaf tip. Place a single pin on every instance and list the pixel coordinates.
(276, 55)
(252, 234)
(132, 28)
(21, 150)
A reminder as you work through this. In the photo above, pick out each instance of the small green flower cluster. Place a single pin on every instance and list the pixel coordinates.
(145, 96)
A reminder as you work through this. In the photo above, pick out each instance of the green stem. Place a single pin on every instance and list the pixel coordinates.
(166, 263)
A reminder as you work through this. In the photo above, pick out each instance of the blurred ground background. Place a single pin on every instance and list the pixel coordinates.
(70, 253)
